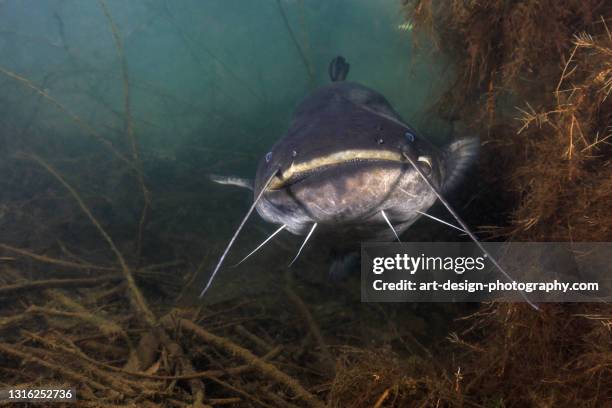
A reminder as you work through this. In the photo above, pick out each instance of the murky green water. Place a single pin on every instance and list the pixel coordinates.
(204, 87)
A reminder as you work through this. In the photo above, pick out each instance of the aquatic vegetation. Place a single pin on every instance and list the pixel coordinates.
(407, 26)
(533, 79)
(114, 117)
(538, 78)
(568, 140)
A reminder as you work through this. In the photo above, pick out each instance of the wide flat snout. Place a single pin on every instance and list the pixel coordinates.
(342, 161)
(344, 194)
(298, 171)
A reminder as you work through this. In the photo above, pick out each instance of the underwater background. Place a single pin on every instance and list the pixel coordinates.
(196, 88)
(115, 113)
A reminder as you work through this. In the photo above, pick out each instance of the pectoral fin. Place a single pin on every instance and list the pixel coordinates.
(460, 155)
(232, 181)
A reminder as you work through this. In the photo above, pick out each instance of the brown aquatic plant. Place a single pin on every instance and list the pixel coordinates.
(533, 78)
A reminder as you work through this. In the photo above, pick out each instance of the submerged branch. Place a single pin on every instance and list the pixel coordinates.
(76, 119)
(136, 295)
(129, 126)
(54, 261)
(297, 45)
(55, 283)
(259, 364)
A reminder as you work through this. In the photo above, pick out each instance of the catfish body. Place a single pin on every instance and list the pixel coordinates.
(350, 164)
(341, 164)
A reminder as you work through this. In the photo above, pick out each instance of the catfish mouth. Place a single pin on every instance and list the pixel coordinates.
(299, 171)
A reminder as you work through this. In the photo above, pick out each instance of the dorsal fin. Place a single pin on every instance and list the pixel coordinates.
(338, 69)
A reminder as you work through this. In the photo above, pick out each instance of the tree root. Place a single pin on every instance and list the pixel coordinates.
(18, 288)
(260, 365)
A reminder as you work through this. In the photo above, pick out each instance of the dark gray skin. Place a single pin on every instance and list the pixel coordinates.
(350, 195)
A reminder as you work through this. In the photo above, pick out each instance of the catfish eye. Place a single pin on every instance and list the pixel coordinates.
(268, 157)
(427, 165)
(294, 154)
(409, 136)
(380, 141)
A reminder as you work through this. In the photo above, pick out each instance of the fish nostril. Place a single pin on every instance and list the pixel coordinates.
(268, 157)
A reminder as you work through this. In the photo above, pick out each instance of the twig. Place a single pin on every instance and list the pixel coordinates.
(175, 350)
(381, 400)
(68, 373)
(69, 113)
(311, 323)
(136, 295)
(6, 322)
(260, 365)
(297, 44)
(280, 402)
(60, 262)
(107, 327)
(17, 288)
(224, 401)
(129, 126)
(239, 391)
(71, 304)
(74, 349)
(240, 329)
(114, 382)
